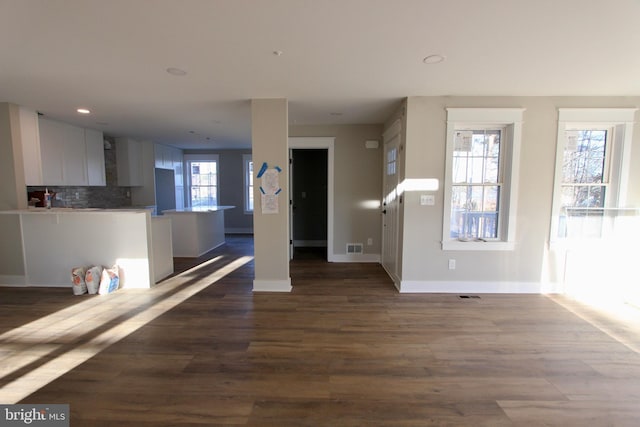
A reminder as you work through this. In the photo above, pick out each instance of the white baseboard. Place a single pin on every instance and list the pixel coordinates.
(236, 230)
(420, 286)
(10, 280)
(355, 258)
(272, 285)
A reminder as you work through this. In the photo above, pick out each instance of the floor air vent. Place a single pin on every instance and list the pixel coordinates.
(469, 296)
(354, 248)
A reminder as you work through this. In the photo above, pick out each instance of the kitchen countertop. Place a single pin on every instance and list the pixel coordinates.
(199, 209)
(71, 210)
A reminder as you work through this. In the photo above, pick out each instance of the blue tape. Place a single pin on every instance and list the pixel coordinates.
(262, 190)
(279, 190)
(262, 170)
(278, 169)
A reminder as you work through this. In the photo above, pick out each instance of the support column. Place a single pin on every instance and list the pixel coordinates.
(269, 135)
(13, 190)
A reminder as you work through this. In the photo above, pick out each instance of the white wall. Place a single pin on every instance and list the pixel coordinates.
(529, 267)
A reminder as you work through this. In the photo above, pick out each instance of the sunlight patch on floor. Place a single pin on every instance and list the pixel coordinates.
(34, 341)
(615, 317)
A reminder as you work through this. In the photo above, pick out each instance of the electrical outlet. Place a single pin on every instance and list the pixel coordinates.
(369, 241)
(452, 264)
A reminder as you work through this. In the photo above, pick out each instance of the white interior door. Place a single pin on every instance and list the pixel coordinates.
(390, 200)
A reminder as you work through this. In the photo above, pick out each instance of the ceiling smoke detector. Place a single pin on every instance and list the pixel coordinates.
(433, 59)
(176, 71)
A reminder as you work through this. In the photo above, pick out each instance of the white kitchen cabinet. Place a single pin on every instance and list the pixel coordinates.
(70, 155)
(95, 157)
(163, 157)
(30, 134)
(75, 157)
(129, 162)
(52, 140)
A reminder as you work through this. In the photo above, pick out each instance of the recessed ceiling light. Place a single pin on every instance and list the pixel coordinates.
(433, 59)
(176, 71)
(83, 111)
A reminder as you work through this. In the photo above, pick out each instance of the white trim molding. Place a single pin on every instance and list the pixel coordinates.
(619, 123)
(451, 287)
(11, 280)
(272, 285)
(302, 142)
(511, 121)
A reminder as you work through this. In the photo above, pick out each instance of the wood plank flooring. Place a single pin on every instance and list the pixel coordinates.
(343, 349)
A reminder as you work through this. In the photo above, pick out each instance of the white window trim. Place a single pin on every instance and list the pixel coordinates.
(621, 120)
(246, 158)
(511, 119)
(187, 167)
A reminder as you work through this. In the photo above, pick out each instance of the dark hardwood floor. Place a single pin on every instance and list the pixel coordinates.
(342, 349)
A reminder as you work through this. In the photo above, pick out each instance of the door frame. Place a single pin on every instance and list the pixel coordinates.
(393, 132)
(318, 142)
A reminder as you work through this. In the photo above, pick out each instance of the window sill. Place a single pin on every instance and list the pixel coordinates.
(457, 245)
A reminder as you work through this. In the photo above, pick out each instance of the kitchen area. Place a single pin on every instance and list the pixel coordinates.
(106, 203)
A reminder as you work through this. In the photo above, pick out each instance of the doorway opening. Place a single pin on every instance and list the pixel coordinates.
(309, 203)
(311, 198)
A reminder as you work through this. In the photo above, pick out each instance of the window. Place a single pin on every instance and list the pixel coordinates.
(483, 146)
(248, 183)
(392, 160)
(202, 179)
(591, 172)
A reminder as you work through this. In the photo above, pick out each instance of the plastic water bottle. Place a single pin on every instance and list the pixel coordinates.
(47, 198)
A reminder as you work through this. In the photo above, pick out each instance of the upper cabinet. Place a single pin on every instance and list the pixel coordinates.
(30, 135)
(129, 161)
(70, 155)
(95, 157)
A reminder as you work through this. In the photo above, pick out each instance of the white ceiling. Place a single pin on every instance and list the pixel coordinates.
(354, 57)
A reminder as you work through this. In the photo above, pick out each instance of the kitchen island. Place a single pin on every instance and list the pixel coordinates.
(196, 231)
(42, 246)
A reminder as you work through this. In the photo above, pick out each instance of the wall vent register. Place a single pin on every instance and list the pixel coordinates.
(354, 248)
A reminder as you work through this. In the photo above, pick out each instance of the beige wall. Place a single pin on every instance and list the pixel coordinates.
(269, 129)
(423, 258)
(357, 179)
(13, 194)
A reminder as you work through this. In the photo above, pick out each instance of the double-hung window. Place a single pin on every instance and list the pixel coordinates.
(591, 170)
(202, 179)
(483, 146)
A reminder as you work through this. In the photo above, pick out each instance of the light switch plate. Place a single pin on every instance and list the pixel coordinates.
(427, 200)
